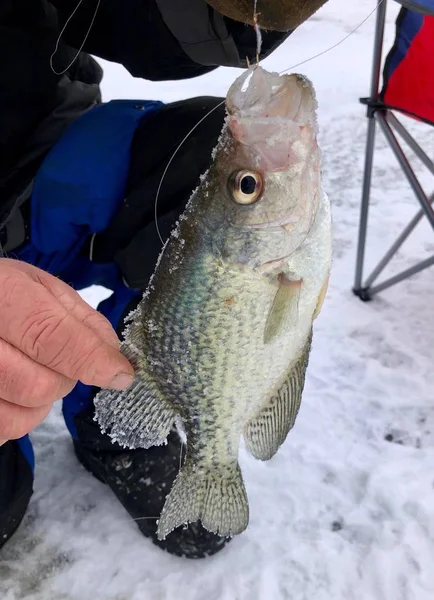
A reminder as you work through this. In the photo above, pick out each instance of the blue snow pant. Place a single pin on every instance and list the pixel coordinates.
(91, 222)
(77, 192)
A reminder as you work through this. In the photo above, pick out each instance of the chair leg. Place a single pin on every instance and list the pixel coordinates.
(395, 247)
(358, 288)
(410, 141)
(389, 124)
(365, 291)
(424, 201)
(429, 262)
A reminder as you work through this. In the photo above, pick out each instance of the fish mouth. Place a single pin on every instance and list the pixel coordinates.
(268, 113)
(259, 94)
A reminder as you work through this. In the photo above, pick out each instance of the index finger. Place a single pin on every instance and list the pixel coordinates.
(71, 300)
(40, 326)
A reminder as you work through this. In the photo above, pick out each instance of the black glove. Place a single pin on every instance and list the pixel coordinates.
(210, 38)
(132, 239)
(164, 39)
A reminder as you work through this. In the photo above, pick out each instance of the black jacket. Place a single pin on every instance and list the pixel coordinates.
(153, 39)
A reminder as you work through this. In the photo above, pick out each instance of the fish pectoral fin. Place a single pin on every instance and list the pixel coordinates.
(265, 433)
(137, 417)
(216, 497)
(284, 310)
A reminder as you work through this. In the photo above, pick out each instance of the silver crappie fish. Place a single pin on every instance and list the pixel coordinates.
(221, 339)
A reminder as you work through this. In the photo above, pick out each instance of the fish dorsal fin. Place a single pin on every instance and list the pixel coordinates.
(265, 433)
(135, 418)
(138, 417)
(284, 310)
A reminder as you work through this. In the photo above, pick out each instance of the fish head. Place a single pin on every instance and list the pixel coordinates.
(267, 167)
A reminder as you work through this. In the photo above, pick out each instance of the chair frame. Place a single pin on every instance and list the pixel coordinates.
(380, 114)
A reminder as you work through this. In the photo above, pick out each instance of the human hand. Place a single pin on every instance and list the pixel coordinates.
(49, 339)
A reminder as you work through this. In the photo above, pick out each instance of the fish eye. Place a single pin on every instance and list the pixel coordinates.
(246, 186)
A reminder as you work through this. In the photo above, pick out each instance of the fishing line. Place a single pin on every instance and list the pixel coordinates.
(257, 31)
(258, 52)
(170, 162)
(258, 47)
(337, 44)
(83, 43)
(180, 457)
(180, 465)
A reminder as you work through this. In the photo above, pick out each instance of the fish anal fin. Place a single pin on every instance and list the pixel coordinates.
(265, 433)
(283, 313)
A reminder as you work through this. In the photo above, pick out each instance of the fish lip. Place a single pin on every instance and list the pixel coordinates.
(242, 101)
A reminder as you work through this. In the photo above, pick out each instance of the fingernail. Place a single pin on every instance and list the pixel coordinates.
(121, 381)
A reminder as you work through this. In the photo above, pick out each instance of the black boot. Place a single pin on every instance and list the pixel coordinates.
(141, 480)
(16, 488)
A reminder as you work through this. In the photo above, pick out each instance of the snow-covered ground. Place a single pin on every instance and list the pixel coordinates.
(340, 513)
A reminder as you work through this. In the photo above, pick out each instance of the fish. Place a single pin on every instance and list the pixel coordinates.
(220, 341)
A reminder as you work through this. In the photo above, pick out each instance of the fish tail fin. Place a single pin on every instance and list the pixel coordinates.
(216, 497)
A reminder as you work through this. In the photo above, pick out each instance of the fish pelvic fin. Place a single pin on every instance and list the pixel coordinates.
(216, 497)
(284, 310)
(138, 417)
(266, 432)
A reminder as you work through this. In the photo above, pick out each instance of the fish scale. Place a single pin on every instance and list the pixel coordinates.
(221, 339)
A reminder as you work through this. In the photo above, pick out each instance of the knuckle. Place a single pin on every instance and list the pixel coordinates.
(42, 338)
(43, 390)
(97, 323)
(7, 380)
(49, 337)
(27, 384)
(66, 299)
(10, 284)
(94, 319)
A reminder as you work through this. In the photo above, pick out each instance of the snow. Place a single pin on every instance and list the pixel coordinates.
(340, 513)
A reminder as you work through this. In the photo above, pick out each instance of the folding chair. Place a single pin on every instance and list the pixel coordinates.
(408, 88)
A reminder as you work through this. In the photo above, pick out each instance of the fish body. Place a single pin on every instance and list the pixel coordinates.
(220, 341)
